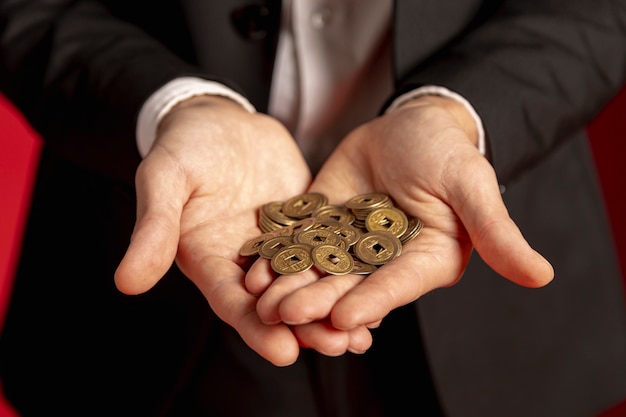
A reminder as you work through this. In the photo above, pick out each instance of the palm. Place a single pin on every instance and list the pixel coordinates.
(199, 190)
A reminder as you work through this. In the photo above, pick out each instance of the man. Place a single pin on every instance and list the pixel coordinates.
(531, 73)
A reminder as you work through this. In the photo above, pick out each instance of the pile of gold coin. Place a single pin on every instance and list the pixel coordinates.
(356, 238)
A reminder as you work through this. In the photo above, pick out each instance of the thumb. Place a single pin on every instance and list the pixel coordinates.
(154, 242)
(501, 245)
(495, 236)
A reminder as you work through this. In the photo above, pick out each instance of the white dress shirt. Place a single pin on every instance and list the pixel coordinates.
(332, 73)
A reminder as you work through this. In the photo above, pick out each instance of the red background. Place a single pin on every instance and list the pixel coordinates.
(19, 150)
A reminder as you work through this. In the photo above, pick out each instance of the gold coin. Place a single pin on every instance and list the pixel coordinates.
(371, 233)
(377, 247)
(348, 232)
(362, 205)
(337, 213)
(283, 231)
(251, 247)
(316, 237)
(271, 246)
(362, 268)
(368, 201)
(302, 225)
(292, 259)
(388, 219)
(272, 216)
(332, 259)
(414, 229)
(303, 205)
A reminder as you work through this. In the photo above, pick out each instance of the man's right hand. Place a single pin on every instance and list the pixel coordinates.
(199, 189)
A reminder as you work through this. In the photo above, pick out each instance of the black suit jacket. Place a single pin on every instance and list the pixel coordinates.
(537, 72)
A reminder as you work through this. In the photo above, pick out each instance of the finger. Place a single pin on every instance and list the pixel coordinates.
(433, 261)
(495, 236)
(501, 245)
(360, 339)
(326, 339)
(260, 276)
(268, 304)
(221, 282)
(154, 241)
(374, 325)
(315, 301)
(323, 337)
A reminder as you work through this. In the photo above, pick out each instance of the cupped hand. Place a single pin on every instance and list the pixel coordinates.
(198, 194)
(423, 155)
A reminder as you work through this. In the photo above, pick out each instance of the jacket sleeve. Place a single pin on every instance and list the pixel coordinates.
(536, 71)
(80, 73)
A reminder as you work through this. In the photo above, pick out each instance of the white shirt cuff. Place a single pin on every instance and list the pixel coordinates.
(172, 93)
(444, 92)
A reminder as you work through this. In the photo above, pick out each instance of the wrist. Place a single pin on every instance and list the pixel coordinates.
(457, 111)
(474, 128)
(172, 94)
